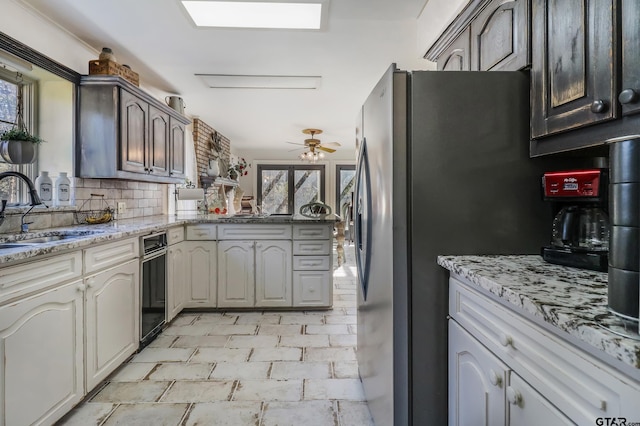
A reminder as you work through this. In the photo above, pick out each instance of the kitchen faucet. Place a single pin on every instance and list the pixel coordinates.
(35, 200)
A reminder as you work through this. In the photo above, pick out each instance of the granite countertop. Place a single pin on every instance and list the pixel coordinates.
(568, 299)
(81, 236)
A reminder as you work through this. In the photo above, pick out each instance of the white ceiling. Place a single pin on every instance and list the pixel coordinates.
(158, 40)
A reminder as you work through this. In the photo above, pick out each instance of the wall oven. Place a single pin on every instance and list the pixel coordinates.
(153, 289)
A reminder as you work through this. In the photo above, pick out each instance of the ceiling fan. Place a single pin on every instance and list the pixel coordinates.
(313, 144)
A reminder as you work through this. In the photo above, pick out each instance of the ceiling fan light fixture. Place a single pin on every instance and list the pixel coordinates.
(255, 14)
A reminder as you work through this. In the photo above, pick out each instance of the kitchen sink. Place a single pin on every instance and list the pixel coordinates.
(46, 238)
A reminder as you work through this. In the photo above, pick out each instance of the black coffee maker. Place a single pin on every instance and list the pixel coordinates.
(581, 228)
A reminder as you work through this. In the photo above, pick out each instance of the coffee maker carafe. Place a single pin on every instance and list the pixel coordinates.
(581, 228)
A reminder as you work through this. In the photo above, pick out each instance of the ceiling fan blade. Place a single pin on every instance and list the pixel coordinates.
(322, 148)
(331, 144)
(295, 143)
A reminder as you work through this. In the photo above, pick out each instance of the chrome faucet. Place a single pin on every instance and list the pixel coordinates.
(35, 199)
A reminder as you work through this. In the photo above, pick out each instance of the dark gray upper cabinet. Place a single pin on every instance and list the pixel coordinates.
(124, 133)
(572, 80)
(629, 96)
(456, 56)
(500, 36)
(488, 35)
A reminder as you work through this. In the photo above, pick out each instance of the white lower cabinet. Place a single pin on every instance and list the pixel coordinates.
(112, 311)
(200, 274)
(254, 273)
(176, 279)
(506, 369)
(273, 273)
(236, 274)
(477, 381)
(312, 288)
(41, 345)
(527, 407)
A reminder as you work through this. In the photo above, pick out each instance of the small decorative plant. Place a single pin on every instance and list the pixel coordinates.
(237, 169)
(17, 134)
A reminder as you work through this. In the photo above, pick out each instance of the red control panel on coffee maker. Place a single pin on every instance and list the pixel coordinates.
(574, 184)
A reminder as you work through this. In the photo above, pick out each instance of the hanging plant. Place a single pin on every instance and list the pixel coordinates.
(17, 145)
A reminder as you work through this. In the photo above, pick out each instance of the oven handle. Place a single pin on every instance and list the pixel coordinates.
(157, 253)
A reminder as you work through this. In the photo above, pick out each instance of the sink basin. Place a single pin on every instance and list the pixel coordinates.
(43, 239)
(13, 245)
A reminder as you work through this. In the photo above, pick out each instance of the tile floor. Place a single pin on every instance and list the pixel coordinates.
(242, 368)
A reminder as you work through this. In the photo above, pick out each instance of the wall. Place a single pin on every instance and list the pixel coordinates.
(18, 20)
(434, 19)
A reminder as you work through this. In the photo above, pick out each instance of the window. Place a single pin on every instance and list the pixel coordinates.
(283, 189)
(345, 181)
(12, 189)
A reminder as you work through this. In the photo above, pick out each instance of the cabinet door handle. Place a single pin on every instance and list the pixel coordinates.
(513, 396)
(258, 245)
(495, 378)
(506, 340)
(598, 106)
(91, 282)
(628, 96)
(81, 287)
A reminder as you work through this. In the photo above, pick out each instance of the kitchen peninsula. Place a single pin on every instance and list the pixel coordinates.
(540, 333)
(70, 298)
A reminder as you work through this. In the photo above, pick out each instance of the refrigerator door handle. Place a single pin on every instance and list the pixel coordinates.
(362, 221)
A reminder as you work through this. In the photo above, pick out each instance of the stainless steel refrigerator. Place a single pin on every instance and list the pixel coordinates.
(443, 168)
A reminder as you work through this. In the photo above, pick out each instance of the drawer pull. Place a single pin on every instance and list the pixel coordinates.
(513, 396)
(495, 378)
(506, 340)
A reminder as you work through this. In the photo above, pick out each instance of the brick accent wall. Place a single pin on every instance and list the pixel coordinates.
(202, 140)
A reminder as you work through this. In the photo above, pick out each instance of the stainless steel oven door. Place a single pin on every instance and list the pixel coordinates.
(153, 293)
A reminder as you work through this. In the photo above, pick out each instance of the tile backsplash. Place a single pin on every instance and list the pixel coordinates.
(141, 198)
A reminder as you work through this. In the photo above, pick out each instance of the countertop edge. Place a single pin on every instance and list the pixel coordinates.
(618, 352)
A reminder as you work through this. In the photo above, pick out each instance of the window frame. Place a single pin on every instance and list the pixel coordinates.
(339, 168)
(29, 116)
(291, 169)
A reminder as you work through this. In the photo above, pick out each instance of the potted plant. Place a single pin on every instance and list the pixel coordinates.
(238, 169)
(18, 146)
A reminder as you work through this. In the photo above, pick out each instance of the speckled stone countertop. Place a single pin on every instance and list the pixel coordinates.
(81, 236)
(569, 299)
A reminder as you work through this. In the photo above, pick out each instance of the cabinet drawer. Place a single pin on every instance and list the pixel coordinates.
(311, 263)
(549, 364)
(20, 280)
(202, 232)
(312, 288)
(175, 235)
(106, 255)
(254, 232)
(312, 247)
(312, 232)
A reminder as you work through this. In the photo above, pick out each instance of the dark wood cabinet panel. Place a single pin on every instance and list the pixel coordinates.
(177, 147)
(500, 36)
(158, 154)
(629, 96)
(134, 133)
(573, 79)
(456, 56)
(125, 133)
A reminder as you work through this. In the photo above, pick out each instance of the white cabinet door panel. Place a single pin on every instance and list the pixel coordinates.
(477, 381)
(273, 273)
(176, 280)
(528, 408)
(236, 285)
(112, 319)
(312, 288)
(41, 345)
(200, 271)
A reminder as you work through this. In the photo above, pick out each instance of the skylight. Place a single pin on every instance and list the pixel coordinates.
(246, 14)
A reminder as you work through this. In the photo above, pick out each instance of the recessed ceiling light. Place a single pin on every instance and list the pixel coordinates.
(247, 14)
(227, 81)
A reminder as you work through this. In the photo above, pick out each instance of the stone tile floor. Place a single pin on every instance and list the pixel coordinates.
(242, 368)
